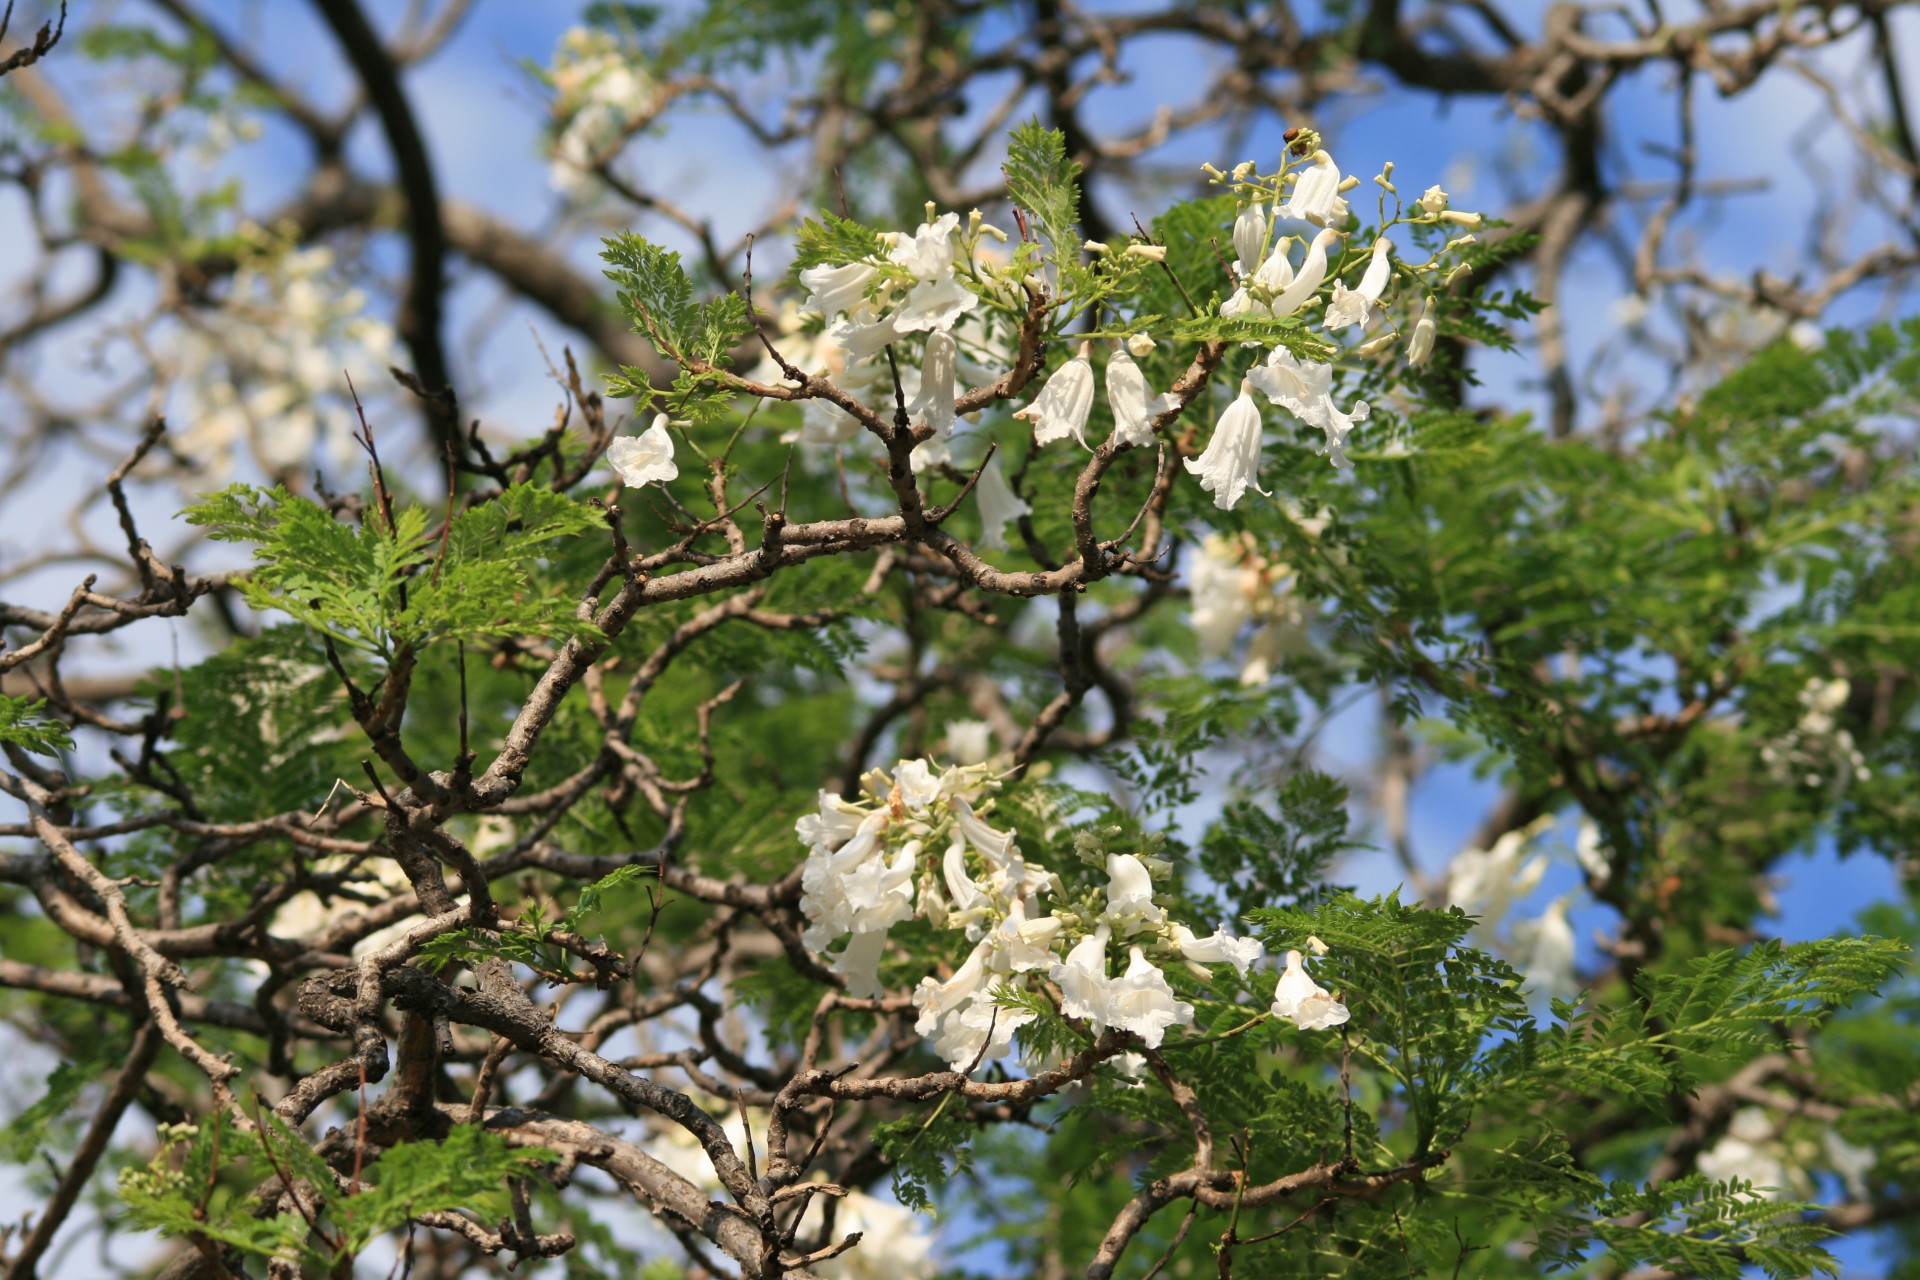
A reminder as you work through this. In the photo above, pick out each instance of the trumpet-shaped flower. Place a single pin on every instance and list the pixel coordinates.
(1134, 405)
(937, 299)
(1130, 894)
(1304, 388)
(933, 406)
(1316, 193)
(836, 289)
(1304, 1002)
(1355, 306)
(1082, 976)
(1140, 1001)
(1312, 271)
(999, 505)
(1061, 408)
(1217, 948)
(1486, 883)
(1231, 461)
(646, 458)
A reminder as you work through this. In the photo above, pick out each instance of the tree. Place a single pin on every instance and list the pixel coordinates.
(889, 778)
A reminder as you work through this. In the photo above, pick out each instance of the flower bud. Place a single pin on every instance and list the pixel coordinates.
(1241, 170)
(1097, 248)
(1464, 219)
(1139, 344)
(1348, 183)
(1433, 201)
(1420, 346)
(1467, 239)
(1212, 172)
(1374, 346)
(1152, 252)
(1459, 273)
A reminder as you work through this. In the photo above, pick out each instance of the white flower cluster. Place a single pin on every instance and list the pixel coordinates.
(600, 99)
(1488, 883)
(928, 283)
(262, 366)
(1818, 748)
(1231, 585)
(1271, 285)
(873, 864)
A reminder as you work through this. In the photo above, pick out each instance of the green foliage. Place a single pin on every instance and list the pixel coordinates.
(833, 241)
(194, 1187)
(386, 589)
(1691, 1226)
(1044, 181)
(654, 291)
(925, 1151)
(1260, 854)
(27, 1134)
(23, 723)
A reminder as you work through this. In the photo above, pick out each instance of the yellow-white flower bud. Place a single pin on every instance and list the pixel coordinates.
(1152, 252)
(1464, 219)
(1140, 343)
(1097, 248)
(1374, 346)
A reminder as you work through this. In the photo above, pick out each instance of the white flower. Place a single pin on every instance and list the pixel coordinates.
(1316, 193)
(837, 289)
(935, 451)
(918, 787)
(933, 406)
(1433, 202)
(1420, 346)
(1355, 306)
(935, 304)
(1250, 236)
(1304, 388)
(1134, 405)
(1852, 1163)
(601, 98)
(928, 253)
(1218, 947)
(836, 821)
(1130, 894)
(1313, 270)
(1590, 851)
(1740, 1154)
(1487, 883)
(1061, 408)
(969, 741)
(1231, 462)
(1020, 944)
(995, 846)
(1548, 945)
(1082, 977)
(1222, 585)
(938, 298)
(865, 341)
(1304, 1002)
(1140, 1001)
(646, 458)
(1230, 585)
(895, 1242)
(999, 505)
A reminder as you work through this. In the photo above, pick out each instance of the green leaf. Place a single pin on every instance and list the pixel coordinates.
(1042, 180)
(834, 241)
(653, 290)
(22, 724)
(468, 1170)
